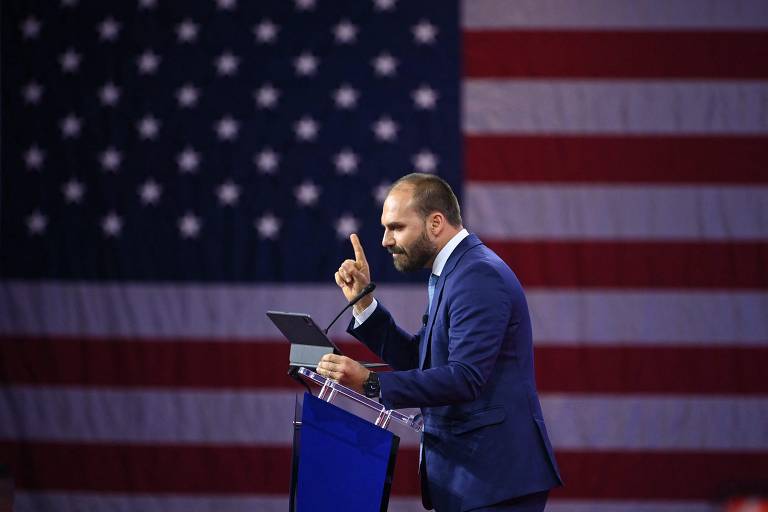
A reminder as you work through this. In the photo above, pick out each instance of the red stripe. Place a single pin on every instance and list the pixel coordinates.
(230, 365)
(615, 54)
(265, 470)
(596, 264)
(604, 159)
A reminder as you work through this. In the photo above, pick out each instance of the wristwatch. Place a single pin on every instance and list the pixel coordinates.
(371, 387)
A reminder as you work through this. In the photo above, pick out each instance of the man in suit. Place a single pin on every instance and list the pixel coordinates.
(470, 366)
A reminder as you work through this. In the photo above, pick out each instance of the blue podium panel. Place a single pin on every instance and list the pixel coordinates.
(345, 462)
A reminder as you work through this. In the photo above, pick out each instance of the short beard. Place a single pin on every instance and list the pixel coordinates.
(416, 256)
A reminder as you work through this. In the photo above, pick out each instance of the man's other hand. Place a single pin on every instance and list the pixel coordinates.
(354, 275)
(344, 370)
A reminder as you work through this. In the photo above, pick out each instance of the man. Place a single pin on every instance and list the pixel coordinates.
(470, 366)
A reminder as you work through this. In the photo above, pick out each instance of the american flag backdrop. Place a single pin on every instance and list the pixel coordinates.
(172, 170)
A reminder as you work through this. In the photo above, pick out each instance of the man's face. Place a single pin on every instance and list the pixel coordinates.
(405, 234)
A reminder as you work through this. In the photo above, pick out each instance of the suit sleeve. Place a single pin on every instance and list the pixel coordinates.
(479, 311)
(393, 345)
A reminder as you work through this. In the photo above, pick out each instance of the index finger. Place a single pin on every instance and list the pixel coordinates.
(359, 253)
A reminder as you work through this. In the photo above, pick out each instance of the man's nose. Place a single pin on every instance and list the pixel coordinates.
(387, 240)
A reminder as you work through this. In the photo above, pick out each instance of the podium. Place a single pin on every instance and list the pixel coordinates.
(343, 461)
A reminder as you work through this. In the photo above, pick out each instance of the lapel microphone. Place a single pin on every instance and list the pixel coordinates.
(368, 289)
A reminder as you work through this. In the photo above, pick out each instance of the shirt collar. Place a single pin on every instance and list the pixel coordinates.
(445, 252)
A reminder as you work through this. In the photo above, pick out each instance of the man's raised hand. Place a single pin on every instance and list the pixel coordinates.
(354, 275)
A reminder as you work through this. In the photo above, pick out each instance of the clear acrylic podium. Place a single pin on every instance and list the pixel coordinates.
(342, 460)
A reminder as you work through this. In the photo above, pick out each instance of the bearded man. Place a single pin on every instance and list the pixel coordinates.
(470, 366)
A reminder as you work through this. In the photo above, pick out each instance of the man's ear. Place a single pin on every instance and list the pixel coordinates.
(436, 223)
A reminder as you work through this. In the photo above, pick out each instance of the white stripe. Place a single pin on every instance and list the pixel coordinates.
(617, 212)
(577, 422)
(232, 312)
(613, 14)
(107, 502)
(615, 107)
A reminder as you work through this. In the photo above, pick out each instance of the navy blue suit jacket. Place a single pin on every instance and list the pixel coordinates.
(484, 434)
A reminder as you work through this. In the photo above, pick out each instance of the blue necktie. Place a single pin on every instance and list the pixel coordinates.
(431, 288)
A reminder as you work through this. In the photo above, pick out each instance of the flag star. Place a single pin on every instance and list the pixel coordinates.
(346, 225)
(108, 29)
(36, 223)
(148, 62)
(305, 64)
(268, 226)
(385, 129)
(346, 162)
(148, 126)
(150, 191)
(425, 161)
(32, 92)
(147, 4)
(189, 225)
(226, 5)
(424, 97)
(109, 94)
(188, 160)
(345, 32)
(110, 159)
(68, 3)
(267, 161)
(70, 61)
(266, 96)
(186, 31)
(73, 191)
(228, 193)
(265, 31)
(112, 225)
(307, 193)
(70, 127)
(187, 95)
(227, 128)
(346, 97)
(424, 32)
(227, 63)
(381, 191)
(34, 157)
(385, 64)
(305, 5)
(306, 128)
(30, 27)
(384, 5)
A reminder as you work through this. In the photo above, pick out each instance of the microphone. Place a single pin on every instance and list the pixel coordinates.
(368, 289)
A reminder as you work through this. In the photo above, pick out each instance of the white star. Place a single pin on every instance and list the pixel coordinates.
(305, 5)
(424, 32)
(189, 225)
(305, 64)
(68, 3)
(186, 31)
(345, 97)
(345, 32)
(148, 126)
(266, 96)
(188, 160)
(385, 64)
(424, 97)
(108, 29)
(30, 27)
(70, 61)
(425, 161)
(34, 157)
(150, 191)
(267, 161)
(268, 226)
(265, 31)
(226, 64)
(73, 191)
(384, 5)
(36, 223)
(346, 162)
(226, 5)
(32, 92)
(307, 193)
(71, 126)
(385, 129)
(147, 4)
(381, 191)
(228, 193)
(110, 159)
(112, 225)
(346, 225)
(148, 62)
(187, 95)
(306, 128)
(227, 128)
(109, 94)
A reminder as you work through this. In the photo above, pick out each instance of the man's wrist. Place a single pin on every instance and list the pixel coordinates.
(363, 304)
